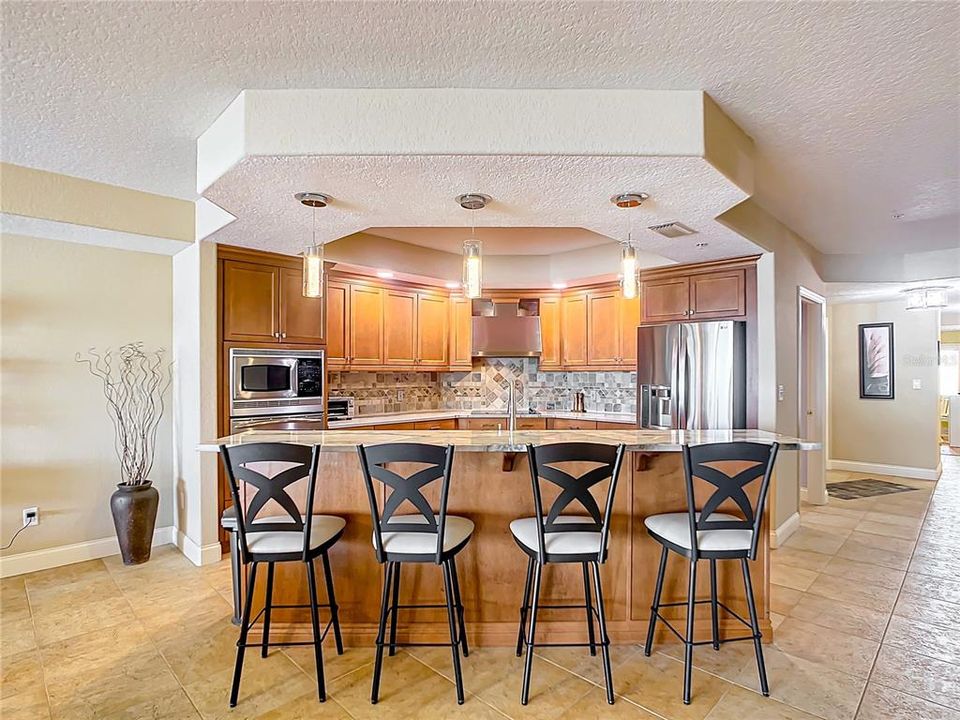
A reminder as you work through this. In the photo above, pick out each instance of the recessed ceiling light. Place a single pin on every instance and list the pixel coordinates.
(385, 274)
(473, 201)
(559, 286)
(702, 244)
(453, 285)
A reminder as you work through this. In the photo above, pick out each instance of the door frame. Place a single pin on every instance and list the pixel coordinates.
(816, 493)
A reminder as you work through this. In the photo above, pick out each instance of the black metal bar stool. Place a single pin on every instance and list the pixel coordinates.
(425, 537)
(567, 538)
(289, 537)
(706, 534)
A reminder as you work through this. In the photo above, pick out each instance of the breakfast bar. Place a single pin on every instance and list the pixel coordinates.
(490, 484)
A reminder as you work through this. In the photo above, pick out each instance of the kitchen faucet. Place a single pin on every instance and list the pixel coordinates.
(512, 402)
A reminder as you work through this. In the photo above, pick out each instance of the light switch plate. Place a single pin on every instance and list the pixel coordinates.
(917, 384)
(780, 392)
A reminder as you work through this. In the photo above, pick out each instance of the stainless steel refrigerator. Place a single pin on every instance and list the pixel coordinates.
(692, 376)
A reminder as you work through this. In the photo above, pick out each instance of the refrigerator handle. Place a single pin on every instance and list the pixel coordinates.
(681, 383)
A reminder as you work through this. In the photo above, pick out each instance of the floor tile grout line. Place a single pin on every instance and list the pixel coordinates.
(38, 650)
(466, 691)
(886, 626)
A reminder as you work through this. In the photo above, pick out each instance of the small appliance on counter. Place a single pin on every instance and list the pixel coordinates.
(277, 389)
(578, 402)
(340, 407)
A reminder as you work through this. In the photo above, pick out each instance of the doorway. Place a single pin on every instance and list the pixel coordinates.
(812, 392)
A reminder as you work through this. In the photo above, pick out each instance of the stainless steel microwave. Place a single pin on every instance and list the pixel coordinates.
(276, 382)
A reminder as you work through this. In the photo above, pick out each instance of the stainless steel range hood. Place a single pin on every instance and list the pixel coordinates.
(506, 328)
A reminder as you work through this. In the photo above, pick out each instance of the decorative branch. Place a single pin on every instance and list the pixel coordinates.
(134, 385)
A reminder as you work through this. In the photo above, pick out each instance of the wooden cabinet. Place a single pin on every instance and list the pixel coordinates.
(264, 303)
(567, 424)
(338, 312)
(432, 322)
(399, 327)
(251, 308)
(707, 295)
(573, 329)
(301, 318)
(717, 295)
(460, 352)
(604, 425)
(550, 333)
(603, 328)
(629, 322)
(365, 315)
(436, 425)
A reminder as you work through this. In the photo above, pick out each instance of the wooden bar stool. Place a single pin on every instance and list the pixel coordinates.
(430, 536)
(276, 538)
(706, 534)
(567, 538)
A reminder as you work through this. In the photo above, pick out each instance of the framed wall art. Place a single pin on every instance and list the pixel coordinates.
(876, 361)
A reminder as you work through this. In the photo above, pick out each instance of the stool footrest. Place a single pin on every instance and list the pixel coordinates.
(701, 602)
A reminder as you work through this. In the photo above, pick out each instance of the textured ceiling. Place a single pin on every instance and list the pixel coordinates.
(851, 292)
(527, 191)
(497, 241)
(853, 105)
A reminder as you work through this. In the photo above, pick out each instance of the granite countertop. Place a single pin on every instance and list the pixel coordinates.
(427, 415)
(497, 441)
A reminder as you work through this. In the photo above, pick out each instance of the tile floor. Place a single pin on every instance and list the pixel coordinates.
(867, 614)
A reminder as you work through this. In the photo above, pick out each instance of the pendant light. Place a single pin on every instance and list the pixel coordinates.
(472, 247)
(313, 255)
(629, 268)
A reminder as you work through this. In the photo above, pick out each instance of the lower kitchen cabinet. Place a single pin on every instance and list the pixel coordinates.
(567, 424)
(450, 424)
(603, 425)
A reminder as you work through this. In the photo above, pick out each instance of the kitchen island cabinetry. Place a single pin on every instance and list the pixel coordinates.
(492, 493)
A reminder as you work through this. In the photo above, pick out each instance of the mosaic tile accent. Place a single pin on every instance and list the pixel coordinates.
(853, 489)
(377, 393)
(486, 387)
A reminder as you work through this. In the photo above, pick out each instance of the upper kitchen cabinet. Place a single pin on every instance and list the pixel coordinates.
(460, 351)
(603, 327)
(550, 333)
(338, 329)
(365, 333)
(263, 303)
(573, 329)
(433, 320)
(711, 291)
(399, 327)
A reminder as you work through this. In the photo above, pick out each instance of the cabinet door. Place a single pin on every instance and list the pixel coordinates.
(629, 321)
(399, 327)
(338, 326)
(250, 307)
(301, 318)
(436, 425)
(433, 318)
(460, 358)
(603, 328)
(366, 325)
(665, 300)
(718, 295)
(573, 329)
(550, 333)
(604, 425)
(565, 424)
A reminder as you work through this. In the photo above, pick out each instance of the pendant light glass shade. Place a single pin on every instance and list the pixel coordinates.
(628, 271)
(313, 271)
(472, 268)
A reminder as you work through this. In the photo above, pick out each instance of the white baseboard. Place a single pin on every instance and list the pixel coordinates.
(779, 535)
(915, 473)
(197, 554)
(34, 560)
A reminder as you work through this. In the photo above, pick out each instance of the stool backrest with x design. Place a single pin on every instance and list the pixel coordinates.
(543, 460)
(438, 460)
(707, 463)
(304, 460)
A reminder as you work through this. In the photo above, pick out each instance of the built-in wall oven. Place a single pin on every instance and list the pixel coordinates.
(270, 389)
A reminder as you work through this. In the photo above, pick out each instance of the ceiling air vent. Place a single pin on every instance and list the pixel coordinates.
(672, 230)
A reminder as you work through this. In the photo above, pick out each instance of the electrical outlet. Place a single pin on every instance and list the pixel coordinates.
(31, 516)
(399, 395)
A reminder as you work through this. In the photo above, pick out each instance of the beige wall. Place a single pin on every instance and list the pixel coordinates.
(57, 449)
(902, 431)
(788, 266)
(51, 196)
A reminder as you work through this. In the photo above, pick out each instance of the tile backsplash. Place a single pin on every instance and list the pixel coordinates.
(486, 387)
